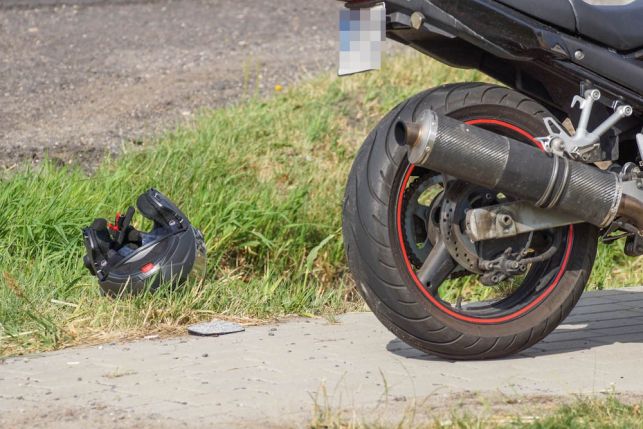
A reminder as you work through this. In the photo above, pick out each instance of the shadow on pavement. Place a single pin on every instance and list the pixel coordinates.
(599, 319)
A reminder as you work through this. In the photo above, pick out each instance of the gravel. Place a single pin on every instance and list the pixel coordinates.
(80, 79)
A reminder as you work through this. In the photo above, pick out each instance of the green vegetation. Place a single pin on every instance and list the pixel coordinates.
(264, 181)
(583, 413)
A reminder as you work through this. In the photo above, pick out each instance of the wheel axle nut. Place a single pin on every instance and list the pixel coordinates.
(505, 221)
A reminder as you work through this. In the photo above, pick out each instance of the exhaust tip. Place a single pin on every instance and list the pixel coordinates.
(407, 133)
(417, 137)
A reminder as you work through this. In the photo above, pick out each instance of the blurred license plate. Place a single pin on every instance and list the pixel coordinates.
(361, 34)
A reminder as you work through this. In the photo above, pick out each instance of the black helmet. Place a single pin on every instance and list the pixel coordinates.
(125, 259)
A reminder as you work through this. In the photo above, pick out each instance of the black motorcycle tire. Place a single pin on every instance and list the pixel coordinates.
(374, 249)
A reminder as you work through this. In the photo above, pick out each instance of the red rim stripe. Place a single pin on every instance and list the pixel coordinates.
(437, 302)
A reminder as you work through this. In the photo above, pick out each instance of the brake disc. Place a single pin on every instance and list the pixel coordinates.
(458, 198)
(420, 225)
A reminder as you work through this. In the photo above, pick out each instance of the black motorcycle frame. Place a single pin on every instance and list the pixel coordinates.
(528, 55)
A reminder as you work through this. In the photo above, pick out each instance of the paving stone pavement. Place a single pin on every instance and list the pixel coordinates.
(275, 374)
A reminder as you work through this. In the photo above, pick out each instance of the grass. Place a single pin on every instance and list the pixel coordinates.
(582, 413)
(264, 181)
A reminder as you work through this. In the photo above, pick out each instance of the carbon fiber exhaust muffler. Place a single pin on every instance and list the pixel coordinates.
(516, 169)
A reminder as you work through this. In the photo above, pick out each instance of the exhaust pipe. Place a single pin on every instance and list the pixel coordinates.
(522, 171)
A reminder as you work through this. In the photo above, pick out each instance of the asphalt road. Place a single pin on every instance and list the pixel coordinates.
(85, 77)
(274, 376)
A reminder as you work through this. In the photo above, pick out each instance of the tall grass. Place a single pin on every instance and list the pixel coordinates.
(263, 180)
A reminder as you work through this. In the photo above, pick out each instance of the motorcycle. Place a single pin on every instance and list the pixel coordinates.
(473, 211)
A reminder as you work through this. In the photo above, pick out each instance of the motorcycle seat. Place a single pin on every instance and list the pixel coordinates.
(618, 25)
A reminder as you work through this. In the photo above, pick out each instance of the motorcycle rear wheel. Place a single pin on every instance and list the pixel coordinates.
(381, 261)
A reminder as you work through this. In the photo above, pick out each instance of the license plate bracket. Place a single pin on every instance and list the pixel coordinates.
(362, 32)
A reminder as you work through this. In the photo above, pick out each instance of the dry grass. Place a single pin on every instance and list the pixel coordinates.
(478, 411)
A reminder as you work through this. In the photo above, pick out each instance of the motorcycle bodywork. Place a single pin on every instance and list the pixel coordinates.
(518, 50)
(533, 56)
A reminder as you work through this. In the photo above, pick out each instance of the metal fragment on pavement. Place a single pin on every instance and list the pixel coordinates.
(215, 328)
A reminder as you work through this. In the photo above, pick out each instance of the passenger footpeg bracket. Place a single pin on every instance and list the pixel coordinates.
(583, 145)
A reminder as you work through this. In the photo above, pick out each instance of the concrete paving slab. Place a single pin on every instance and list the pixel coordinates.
(274, 375)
